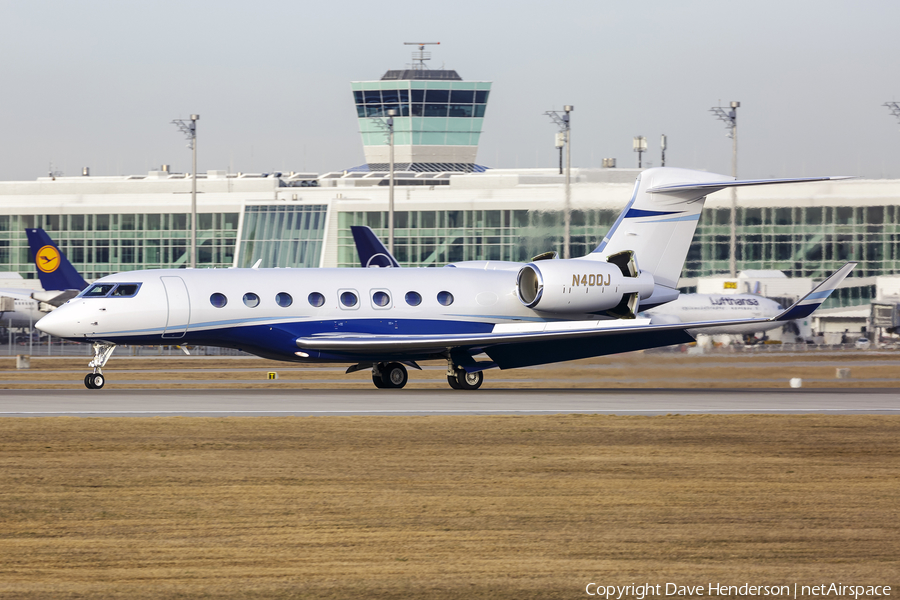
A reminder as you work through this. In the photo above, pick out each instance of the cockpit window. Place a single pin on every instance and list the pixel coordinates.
(99, 290)
(112, 290)
(125, 290)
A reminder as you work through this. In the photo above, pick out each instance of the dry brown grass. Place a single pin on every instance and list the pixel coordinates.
(442, 507)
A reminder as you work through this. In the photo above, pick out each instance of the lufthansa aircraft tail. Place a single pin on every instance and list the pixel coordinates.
(658, 222)
(372, 252)
(54, 269)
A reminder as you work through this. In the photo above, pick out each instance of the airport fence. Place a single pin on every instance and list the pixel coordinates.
(44, 345)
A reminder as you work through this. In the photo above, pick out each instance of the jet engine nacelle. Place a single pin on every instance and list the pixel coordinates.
(582, 286)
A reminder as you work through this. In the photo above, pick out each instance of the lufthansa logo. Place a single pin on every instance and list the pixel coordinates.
(47, 259)
(591, 280)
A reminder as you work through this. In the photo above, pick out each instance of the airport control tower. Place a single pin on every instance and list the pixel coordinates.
(438, 123)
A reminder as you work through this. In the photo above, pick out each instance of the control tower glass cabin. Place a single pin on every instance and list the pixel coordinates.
(439, 121)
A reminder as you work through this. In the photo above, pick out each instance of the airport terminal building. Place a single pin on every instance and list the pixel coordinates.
(447, 207)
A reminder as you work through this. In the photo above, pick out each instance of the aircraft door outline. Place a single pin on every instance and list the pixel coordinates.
(178, 304)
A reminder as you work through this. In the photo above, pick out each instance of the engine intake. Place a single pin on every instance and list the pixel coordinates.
(582, 286)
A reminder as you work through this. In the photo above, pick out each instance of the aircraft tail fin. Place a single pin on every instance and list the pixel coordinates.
(53, 268)
(659, 221)
(372, 252)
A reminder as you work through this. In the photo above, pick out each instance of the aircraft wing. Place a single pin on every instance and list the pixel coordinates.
(522, 344)
(55, 298)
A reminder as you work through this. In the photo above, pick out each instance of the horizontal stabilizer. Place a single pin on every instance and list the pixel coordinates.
(715, 186)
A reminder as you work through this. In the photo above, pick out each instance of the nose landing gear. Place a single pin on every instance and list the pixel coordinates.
(102, 351)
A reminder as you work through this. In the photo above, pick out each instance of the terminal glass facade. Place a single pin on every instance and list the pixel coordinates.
(282, 235)
(100, 244)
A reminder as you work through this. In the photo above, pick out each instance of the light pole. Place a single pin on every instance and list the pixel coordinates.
(663, 145)
(563, 121)
(387, 125)
(189, 128)
(730, 119)
(640, 146)
(390, 125)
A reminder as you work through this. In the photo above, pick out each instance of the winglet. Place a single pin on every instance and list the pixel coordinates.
(805, 306)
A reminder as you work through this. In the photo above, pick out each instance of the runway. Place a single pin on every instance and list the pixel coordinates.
(233, 403)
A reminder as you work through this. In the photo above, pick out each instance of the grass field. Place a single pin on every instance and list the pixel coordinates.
(442, 507)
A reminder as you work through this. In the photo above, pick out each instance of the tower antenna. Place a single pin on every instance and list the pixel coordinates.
(419, 57)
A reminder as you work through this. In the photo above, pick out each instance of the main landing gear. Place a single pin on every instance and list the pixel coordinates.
(393, 375)
(95, 379)
(460, 380)
(389, 376)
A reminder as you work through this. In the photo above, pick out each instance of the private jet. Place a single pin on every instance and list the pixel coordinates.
(475, 316)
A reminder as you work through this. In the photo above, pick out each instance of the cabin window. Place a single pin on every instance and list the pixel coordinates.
(413, 298)
(381, 299)
(251, 300)
(283, 299)
(316, 299)
(349, 299)
(218, 300)
(445, 298)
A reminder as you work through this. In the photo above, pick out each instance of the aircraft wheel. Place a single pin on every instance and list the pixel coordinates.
(394, 375)
(469, 381)
(97, 380)
(451, 379)
(376, 379)
(87, 381)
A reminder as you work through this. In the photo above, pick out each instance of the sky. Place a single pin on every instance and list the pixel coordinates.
(97, 83)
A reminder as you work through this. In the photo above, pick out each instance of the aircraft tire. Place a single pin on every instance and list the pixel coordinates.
(451, 379)
(87, 381)
(97, 381)
(469, 381)
(394, 375)
(376, 379)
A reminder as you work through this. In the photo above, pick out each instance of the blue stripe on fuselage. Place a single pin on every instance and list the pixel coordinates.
(279, 339)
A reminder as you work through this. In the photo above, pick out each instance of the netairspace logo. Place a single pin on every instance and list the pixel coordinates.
(642, 591)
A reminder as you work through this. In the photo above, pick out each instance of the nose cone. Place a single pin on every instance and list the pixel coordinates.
(55, 323)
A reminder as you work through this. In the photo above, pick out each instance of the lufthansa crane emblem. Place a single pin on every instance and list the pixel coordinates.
(47, 259)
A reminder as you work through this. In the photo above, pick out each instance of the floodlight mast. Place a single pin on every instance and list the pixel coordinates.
(387, 124)
(663, 144)
(894, 107)
(189, 128)
(730, 119)
(563, 121)
(639, 145)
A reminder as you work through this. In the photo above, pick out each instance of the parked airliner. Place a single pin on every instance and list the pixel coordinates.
(59, 280)
(387, 319)
(690, 308)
